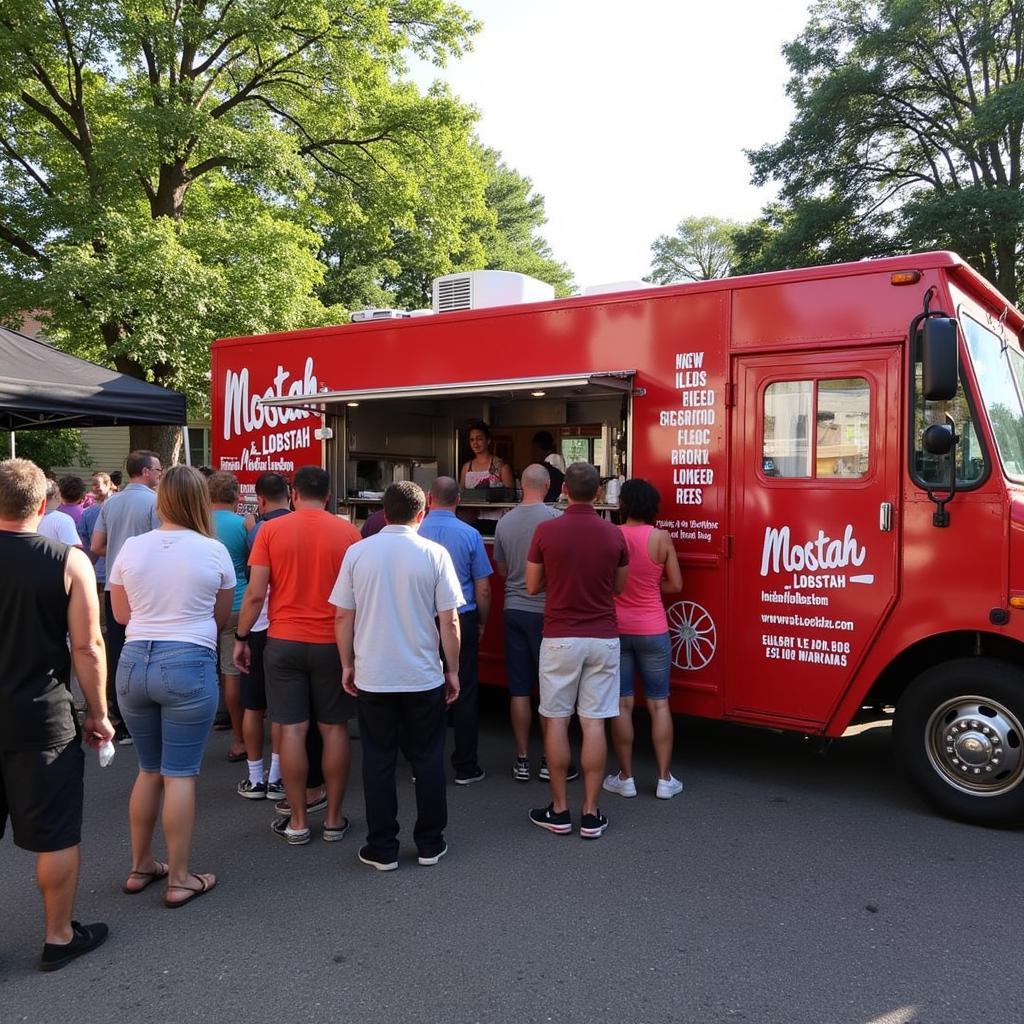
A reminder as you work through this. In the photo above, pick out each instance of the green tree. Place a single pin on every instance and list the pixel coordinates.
(51, 448)
(700, 250)
(167, 171)
(908, 134)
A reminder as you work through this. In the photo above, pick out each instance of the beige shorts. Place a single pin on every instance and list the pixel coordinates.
(579, 674)
(226, 647)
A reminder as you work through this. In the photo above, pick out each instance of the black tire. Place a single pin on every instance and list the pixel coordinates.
(959, 735)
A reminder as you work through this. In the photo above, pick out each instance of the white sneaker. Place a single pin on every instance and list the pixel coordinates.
(668, 788)
(624, 787)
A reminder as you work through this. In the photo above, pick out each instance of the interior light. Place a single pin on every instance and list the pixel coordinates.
(905, 277)
(538, 394)
(352, 405)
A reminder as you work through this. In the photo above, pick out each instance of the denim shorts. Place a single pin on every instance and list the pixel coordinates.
(651, 656)
(168, 694)
(523, 634)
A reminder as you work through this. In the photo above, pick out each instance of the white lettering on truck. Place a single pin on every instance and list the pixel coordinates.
(243, 412)
(823, 552)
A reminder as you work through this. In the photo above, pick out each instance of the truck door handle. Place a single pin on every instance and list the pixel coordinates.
(885, 516)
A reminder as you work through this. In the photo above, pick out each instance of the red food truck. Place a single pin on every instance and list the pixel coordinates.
(839, 452)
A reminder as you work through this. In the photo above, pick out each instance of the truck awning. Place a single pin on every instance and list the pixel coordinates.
(562, 386)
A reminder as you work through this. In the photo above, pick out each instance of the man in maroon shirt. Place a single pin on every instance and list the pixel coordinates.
(581, 561)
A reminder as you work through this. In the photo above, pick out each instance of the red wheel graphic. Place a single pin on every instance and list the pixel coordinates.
(693, 635)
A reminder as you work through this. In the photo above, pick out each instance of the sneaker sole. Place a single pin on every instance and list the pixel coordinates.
(334, 835)
(431, 861)
(668, 796)
(379, 865)
(558, 830)
(253, 796)
(593, 833)
(469, 782)
(299, 839)
(619, 792)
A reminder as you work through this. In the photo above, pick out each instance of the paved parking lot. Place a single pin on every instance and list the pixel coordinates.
(782, 886)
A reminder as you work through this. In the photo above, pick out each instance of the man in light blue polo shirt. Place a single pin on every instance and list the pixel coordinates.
(464, 543)
(128, 513)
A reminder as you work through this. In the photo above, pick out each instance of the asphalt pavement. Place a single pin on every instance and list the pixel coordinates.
(781, 886)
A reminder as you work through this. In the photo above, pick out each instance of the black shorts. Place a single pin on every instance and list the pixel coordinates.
(254, 682)
(304, 683)
(41, 792)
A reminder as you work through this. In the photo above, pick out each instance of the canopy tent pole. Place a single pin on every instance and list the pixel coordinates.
(184, 441)
(13, 452)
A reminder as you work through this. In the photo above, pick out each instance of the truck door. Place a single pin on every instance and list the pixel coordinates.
(814, 568)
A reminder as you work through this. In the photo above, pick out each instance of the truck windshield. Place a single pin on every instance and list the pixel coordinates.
(1000, 370)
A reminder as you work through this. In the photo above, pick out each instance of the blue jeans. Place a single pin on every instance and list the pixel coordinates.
(651, 656)
(168, 693)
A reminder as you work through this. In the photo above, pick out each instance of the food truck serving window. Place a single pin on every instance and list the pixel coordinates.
(837, 448)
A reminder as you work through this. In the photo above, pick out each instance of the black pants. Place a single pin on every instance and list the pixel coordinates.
(465, 712)
(115, 641)
(417, 720)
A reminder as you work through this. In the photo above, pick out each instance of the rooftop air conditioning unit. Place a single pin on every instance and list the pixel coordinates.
(362, 316)
(617, 286)
(482, 289)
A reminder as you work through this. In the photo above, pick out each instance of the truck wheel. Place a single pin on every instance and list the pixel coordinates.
(959, 733)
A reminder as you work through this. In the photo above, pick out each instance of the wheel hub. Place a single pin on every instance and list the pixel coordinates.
(976, 744)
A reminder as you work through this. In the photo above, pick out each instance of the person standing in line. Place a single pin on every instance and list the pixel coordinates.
(47, 594)
(298, 557)
(130, 512)
(172, 589)
(394, 592)
(272, 500)
(582, 561)
(57, 525)
(466, 547)
(72, 497)
(100, 492)
(229, 528)
(523, 613)
(643, 638)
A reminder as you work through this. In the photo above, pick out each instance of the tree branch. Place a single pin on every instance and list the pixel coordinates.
(24, 246)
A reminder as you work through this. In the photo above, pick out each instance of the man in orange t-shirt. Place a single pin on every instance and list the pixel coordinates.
(298, 556)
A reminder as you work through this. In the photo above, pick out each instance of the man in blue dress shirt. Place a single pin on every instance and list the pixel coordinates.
(466, 547)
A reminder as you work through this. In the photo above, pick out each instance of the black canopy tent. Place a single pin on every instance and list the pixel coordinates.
(41, 387)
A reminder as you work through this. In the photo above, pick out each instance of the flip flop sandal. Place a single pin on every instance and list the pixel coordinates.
(195, 893)
(149, 876)
(235, 758)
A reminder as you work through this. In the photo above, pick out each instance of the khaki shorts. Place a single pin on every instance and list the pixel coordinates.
(579, 674)
(226, 647)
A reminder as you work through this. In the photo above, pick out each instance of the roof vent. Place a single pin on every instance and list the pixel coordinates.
(482, 289)
(362, 316)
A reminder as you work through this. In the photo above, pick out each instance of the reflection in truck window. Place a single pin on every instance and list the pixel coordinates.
(998, 366)
(840, 446)
(928, 469)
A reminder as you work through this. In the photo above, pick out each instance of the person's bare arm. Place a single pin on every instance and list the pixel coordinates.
(451, 640)
(535, 579)
(620, 579)
(222, 607)
(344, 635)
(482, 596)
(87, 651)
(507, 480)
(252, 603)
(119, 603)
(672, 580)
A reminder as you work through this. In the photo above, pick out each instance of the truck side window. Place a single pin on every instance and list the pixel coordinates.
(970, 454)
(839, 447)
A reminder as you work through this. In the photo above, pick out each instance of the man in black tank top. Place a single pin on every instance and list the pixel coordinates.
(47, 592)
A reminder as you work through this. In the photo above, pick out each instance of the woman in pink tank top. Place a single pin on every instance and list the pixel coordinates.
(643, 638)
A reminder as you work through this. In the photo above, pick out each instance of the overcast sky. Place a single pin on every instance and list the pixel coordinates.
(628, 116)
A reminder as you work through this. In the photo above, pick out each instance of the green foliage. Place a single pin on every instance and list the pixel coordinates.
(52, 448)
(168, 173)
(702, 249)
(908, 131)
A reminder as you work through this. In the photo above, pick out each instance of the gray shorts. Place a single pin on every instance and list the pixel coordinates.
(304, 683)
(579, 674)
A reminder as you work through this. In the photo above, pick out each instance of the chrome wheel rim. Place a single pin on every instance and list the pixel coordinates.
(976, 745)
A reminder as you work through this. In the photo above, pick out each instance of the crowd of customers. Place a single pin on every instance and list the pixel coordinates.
(294, 618)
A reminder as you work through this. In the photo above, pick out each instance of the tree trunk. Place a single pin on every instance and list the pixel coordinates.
(166, 441)
(1006, 252)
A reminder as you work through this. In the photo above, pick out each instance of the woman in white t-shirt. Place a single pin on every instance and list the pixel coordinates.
(172, 588)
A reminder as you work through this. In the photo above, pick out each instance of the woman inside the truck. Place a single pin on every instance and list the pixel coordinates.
(485, 469)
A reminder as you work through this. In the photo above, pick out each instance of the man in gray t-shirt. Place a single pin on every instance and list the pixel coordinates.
(128, 513)
(524, 614)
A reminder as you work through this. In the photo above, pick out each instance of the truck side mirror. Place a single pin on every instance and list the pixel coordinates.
(939, 360)
(938, 439)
